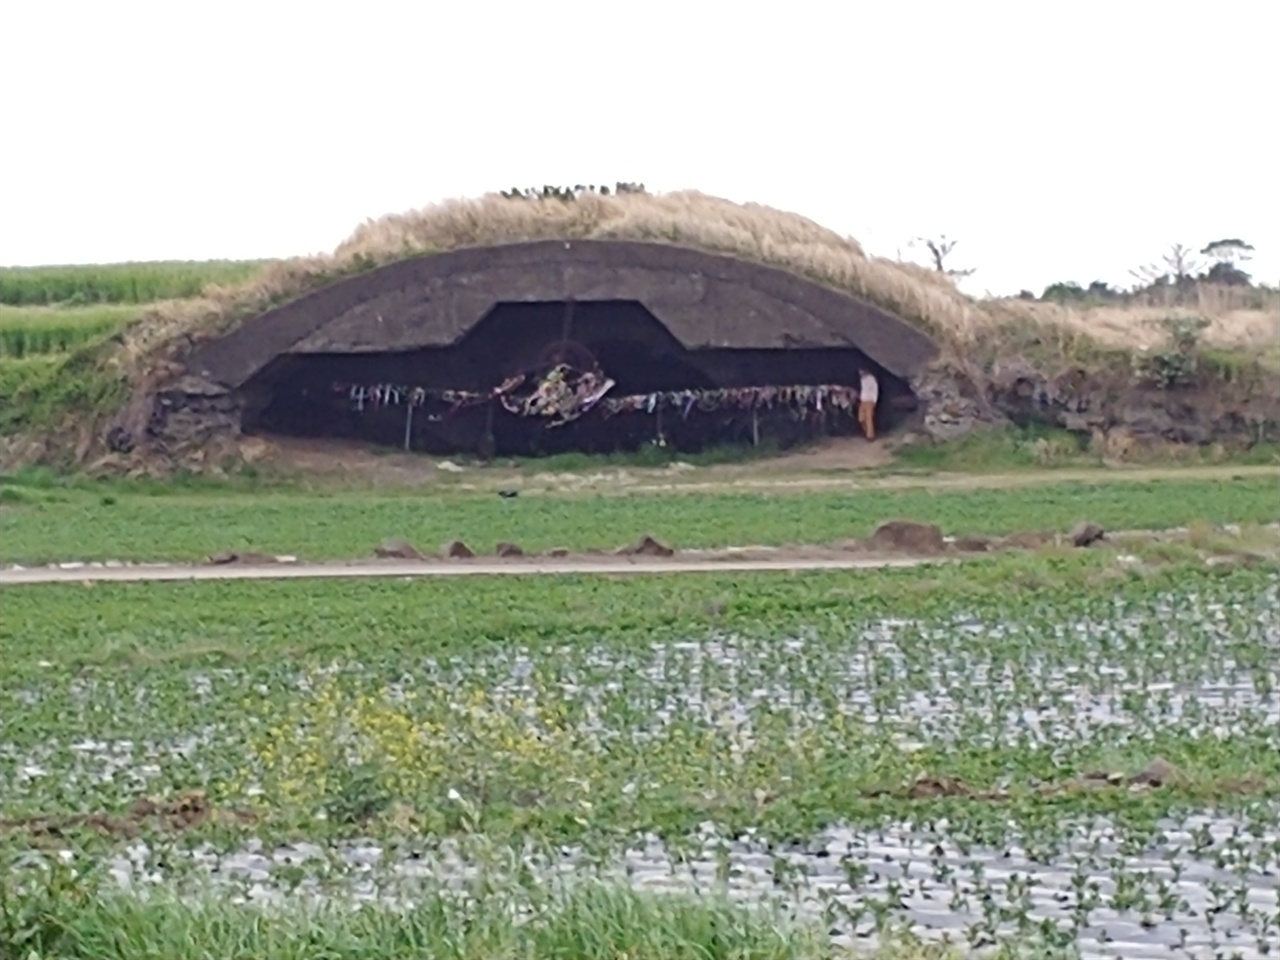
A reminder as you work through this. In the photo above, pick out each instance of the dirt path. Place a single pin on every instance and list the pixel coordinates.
(347, 461)
(1262, 543)
(841, 463)
(967, 481)
(302, 571)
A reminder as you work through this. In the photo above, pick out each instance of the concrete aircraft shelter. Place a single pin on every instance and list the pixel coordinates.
(653, 317)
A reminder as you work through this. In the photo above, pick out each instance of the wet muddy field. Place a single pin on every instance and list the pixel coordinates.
(1073, 771)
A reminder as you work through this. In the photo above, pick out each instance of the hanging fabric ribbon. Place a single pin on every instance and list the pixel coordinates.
(560, 398)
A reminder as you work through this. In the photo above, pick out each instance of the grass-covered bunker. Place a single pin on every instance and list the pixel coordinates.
(680, 304)
(696, 344)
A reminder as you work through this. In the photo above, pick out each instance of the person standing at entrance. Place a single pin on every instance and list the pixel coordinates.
(868, 394)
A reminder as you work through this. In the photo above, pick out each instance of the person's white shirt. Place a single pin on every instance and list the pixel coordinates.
(869, 392)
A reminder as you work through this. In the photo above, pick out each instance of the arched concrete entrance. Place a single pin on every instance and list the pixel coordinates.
(655, 319)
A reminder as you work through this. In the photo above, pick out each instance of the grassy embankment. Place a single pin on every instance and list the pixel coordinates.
(430, 717)
(57, 324)
(47, 521)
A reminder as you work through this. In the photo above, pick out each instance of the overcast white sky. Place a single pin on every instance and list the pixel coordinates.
(1055, 140)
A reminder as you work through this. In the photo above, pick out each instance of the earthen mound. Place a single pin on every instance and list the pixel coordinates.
(907, 536)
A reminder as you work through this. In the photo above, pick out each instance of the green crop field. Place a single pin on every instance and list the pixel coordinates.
(53, 310)
(954, 750)
(41, 524)
(119, 283)
(37, 331)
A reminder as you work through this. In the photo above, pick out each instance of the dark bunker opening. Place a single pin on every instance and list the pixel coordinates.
(442, 400)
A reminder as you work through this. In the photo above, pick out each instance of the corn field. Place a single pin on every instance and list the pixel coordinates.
(118, 282)
(44, 331)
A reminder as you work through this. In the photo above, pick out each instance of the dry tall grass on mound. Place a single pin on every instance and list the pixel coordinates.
(749, 231)
(1234, 323)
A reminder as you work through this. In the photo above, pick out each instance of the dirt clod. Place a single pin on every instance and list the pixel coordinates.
(250, 558)
(924, 787)
(397, 550)
(187, 809)
(1086, 533)
(1158, 773)
(647, 546)
(972, 544)
(907, 536)
(457, 550)
(505, 549)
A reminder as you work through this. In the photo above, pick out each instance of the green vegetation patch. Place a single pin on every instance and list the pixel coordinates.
(42, 391)
(592, 920)
(119, 283)
(77, 522)
(1037, 448)
(15, 373)
(36, 331)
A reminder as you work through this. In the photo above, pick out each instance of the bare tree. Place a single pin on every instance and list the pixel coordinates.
(1178, 267)
(939, 250)
(1171, 280)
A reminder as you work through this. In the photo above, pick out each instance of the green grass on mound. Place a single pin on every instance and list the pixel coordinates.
(50, 391)
(16, 372)
(43, 523)
(1038, 448)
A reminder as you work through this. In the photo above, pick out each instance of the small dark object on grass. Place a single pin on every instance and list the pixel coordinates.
(251, 558)
(398, 550)
(1086, 533)
(508, 494)
(1160, 773)
(457, 550)
(907, 536)
(647, 547)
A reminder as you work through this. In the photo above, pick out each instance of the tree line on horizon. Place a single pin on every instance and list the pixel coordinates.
(1172, 279)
